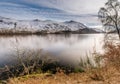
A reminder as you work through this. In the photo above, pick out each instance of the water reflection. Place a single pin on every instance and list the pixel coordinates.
(72, 46)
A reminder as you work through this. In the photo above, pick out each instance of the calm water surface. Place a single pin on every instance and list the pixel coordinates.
(72, 47)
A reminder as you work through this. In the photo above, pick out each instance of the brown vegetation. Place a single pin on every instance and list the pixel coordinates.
(106, 73)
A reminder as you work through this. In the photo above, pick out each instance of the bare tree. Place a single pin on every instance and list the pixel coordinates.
(110, 15)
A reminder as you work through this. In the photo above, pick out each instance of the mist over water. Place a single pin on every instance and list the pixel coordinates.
(70, 47)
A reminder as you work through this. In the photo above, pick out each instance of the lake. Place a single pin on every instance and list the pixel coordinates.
(70, 47)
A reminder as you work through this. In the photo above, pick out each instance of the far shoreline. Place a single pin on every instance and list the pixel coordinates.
(27, 34)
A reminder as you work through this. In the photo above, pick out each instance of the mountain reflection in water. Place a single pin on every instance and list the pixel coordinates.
(68, 47)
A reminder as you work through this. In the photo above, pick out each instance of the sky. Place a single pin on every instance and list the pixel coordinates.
(84, 11)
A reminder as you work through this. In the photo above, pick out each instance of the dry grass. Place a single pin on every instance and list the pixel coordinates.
(55, 79)
(61, 78)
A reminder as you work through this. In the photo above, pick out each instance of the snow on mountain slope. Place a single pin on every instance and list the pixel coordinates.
(99, 30)
(36, 25)
(75, 25)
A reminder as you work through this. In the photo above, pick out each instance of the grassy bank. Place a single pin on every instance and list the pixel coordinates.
(50, 71)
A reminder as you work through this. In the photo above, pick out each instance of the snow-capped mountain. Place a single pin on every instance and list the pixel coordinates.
(8, 25)
(75, 25)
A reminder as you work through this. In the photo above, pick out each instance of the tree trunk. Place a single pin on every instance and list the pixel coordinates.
(118, 32)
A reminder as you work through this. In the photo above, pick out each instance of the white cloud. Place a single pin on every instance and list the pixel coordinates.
(71, 6)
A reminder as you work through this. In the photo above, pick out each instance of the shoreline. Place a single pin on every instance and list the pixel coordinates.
(26, 34)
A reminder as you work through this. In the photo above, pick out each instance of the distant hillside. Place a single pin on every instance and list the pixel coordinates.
(36, 26)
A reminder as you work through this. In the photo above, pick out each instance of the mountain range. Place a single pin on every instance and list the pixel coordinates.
(12, 26)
